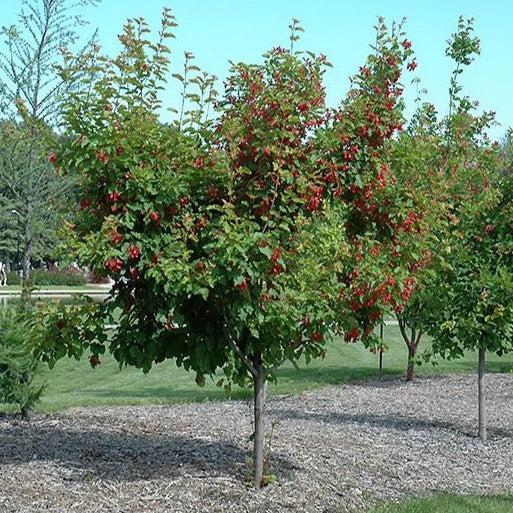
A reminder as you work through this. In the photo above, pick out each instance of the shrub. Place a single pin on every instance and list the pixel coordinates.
(18, 366)
(13, 278)
(42, 277)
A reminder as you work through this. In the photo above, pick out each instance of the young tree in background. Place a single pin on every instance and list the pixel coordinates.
(48, 194)
(466, 301)
(416, 160)
(30, 93)
(453, 164)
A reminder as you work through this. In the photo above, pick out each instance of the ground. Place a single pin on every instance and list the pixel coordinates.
(338, 449)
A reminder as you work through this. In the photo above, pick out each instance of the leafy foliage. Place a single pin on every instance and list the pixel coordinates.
(456, 168)
(42, 277)
(239, 244)
(18, 366)
(30, 93)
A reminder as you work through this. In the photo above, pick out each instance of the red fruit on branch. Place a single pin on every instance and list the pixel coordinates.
(116, 237)
(316, 336)
(184, 201)
(133, 252)
(276, 254)
(352, 335)
(94, 361)
(244, 285)
(102, 156)
(276, 269)
(113, 264)
(113, 197)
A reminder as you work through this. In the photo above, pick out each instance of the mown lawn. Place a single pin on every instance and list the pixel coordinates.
(452, 504)
(75, 383)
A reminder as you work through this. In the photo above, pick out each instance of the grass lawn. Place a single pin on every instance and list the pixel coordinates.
(452, 504)
(75, 383)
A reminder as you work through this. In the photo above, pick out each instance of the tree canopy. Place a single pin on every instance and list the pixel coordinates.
(236, 244)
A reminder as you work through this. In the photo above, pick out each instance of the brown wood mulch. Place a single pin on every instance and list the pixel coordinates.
(338, 449)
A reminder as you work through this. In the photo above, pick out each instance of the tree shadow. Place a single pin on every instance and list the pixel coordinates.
(333, 375)
(389, 421)
(119, 456)
(168, 395)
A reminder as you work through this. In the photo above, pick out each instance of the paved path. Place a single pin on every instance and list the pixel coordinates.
(98, 292)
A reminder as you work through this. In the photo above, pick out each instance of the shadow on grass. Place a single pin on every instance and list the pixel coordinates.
(468, 366)
(331, 375)
(84, 454)
(168, 395)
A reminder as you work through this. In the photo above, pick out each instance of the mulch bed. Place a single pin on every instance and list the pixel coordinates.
(337, 449)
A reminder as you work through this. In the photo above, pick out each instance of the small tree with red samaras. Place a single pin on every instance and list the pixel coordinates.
(239, 248)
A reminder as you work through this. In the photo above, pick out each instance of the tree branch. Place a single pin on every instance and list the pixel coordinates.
(402, 328)
(247, 362)
(245, 359)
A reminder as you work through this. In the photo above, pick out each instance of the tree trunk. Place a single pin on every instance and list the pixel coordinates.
(26, 288)
(412, 342)
(410, 369)
(481, 393)
(381, 349)
(259, 395)
(27, 251)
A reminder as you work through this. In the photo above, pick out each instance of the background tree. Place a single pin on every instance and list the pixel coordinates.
(39, 235)
(466, 302)
(235, 250)
(29, 96)
(449, 162)
(416, 161)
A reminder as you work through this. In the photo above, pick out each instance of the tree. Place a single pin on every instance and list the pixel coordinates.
(235, 249)
(474, 296)
(448, 162)
(29, 97)
(39, 235)
(469, 304)
(416, 160)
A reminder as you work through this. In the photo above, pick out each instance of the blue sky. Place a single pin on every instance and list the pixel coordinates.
(217, 31)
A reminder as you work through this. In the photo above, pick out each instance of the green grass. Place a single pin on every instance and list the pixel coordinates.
(75, 383)
(452, 504)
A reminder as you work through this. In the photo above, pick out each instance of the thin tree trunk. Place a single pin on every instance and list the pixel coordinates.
(410, 369)
(412, 342)
(26, 289)
(381, 349)
(27, 247)
(481, 393)
(27, 251)
(259, 389)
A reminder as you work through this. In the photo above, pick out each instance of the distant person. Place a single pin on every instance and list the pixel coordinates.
(3, 274)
